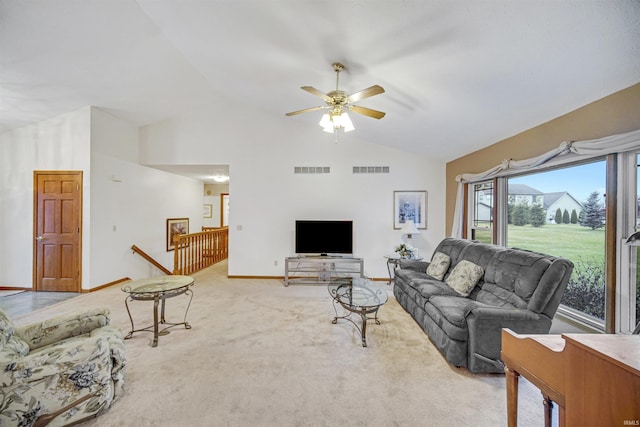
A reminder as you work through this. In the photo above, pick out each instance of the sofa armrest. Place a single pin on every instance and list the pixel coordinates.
(411, 264)
(485, 324)
(52, 377)
(81, 359)
(502, 314)
(62, 327)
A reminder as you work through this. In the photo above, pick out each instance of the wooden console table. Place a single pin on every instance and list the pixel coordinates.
(594, 378)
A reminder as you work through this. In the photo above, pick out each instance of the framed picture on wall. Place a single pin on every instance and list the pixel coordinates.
(176, 226)
(409, 205)
(207, 211)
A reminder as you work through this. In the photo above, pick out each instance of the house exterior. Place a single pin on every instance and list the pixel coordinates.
(560, 200)
(522, 193)
(551, 202)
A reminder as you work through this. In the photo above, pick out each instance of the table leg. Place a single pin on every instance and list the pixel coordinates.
(512, 396)
(126, 304)
(389, 270)
(190, 293)
(363, 315)
(156, 300)
(162, 312)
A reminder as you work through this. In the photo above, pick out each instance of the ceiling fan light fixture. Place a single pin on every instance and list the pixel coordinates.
(338, 103)
(326, 123)
(333, 122)
(345, 122)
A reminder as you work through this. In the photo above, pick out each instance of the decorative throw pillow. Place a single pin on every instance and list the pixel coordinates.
(439, 265)
(464, 277)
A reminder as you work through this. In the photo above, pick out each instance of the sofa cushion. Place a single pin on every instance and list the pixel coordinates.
(464, 277)
(479, 253)
(439, 265)
(517, 271)
(495, 296)
(419, 287)
(449, 314)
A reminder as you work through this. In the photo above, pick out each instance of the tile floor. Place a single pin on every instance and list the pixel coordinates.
(19, 304)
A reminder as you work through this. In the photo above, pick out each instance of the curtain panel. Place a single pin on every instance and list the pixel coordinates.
(594, 147)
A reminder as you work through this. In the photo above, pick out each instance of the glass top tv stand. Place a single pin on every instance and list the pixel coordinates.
(310, 270)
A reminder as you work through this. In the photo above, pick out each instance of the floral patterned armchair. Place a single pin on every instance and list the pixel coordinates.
(59, 371)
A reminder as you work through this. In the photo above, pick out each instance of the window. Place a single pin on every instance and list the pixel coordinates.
(561, 212)
(482, 215)
(636, 319)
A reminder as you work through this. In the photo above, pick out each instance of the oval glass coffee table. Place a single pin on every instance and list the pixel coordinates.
(359, 296)
(158, 289)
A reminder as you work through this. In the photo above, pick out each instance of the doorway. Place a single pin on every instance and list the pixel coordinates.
(57, 225)
(224, 210)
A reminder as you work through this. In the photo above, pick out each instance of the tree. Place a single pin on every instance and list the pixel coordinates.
(558, 218)
(592, 215)
(565, 217)
(537, 215)
(510, 207)
(520, 214)
(574, 217)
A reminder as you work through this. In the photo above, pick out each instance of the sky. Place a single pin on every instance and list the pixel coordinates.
(579, 181)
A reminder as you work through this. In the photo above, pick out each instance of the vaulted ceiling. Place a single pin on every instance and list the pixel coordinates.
(459, 75)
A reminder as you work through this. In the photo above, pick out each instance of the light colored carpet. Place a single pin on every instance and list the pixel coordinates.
(260, 354)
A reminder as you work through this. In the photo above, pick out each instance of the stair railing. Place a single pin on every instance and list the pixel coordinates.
(193, 252)
(146, 256)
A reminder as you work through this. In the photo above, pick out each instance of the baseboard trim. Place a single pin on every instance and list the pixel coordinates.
(375, 279)
(14, 288)
(106, 285)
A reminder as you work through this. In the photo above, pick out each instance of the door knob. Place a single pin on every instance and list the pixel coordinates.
(39, 238)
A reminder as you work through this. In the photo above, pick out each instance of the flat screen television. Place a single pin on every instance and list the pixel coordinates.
(317, 237)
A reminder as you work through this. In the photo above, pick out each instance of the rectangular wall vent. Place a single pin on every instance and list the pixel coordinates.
(312, 169)
(371, 169)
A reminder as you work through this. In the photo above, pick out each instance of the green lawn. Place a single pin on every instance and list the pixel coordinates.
(570, 241)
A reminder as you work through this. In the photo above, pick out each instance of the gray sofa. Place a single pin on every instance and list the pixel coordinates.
(518, 289)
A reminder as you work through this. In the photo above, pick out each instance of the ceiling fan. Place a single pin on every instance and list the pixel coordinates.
(339, 103)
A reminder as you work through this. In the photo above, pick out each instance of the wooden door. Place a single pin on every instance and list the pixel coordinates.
(57, 231)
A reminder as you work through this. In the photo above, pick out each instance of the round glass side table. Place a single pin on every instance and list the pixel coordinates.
(158, 289)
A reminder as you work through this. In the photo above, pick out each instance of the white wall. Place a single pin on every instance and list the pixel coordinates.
(113, 136)
(262, 150)
(61, 143)
(134, 210)
(130, 204)
(115, 214)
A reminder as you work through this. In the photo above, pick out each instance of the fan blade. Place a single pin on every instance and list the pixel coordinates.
(316, 92)
(367, 112)
(306, 110)
(365, 93)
